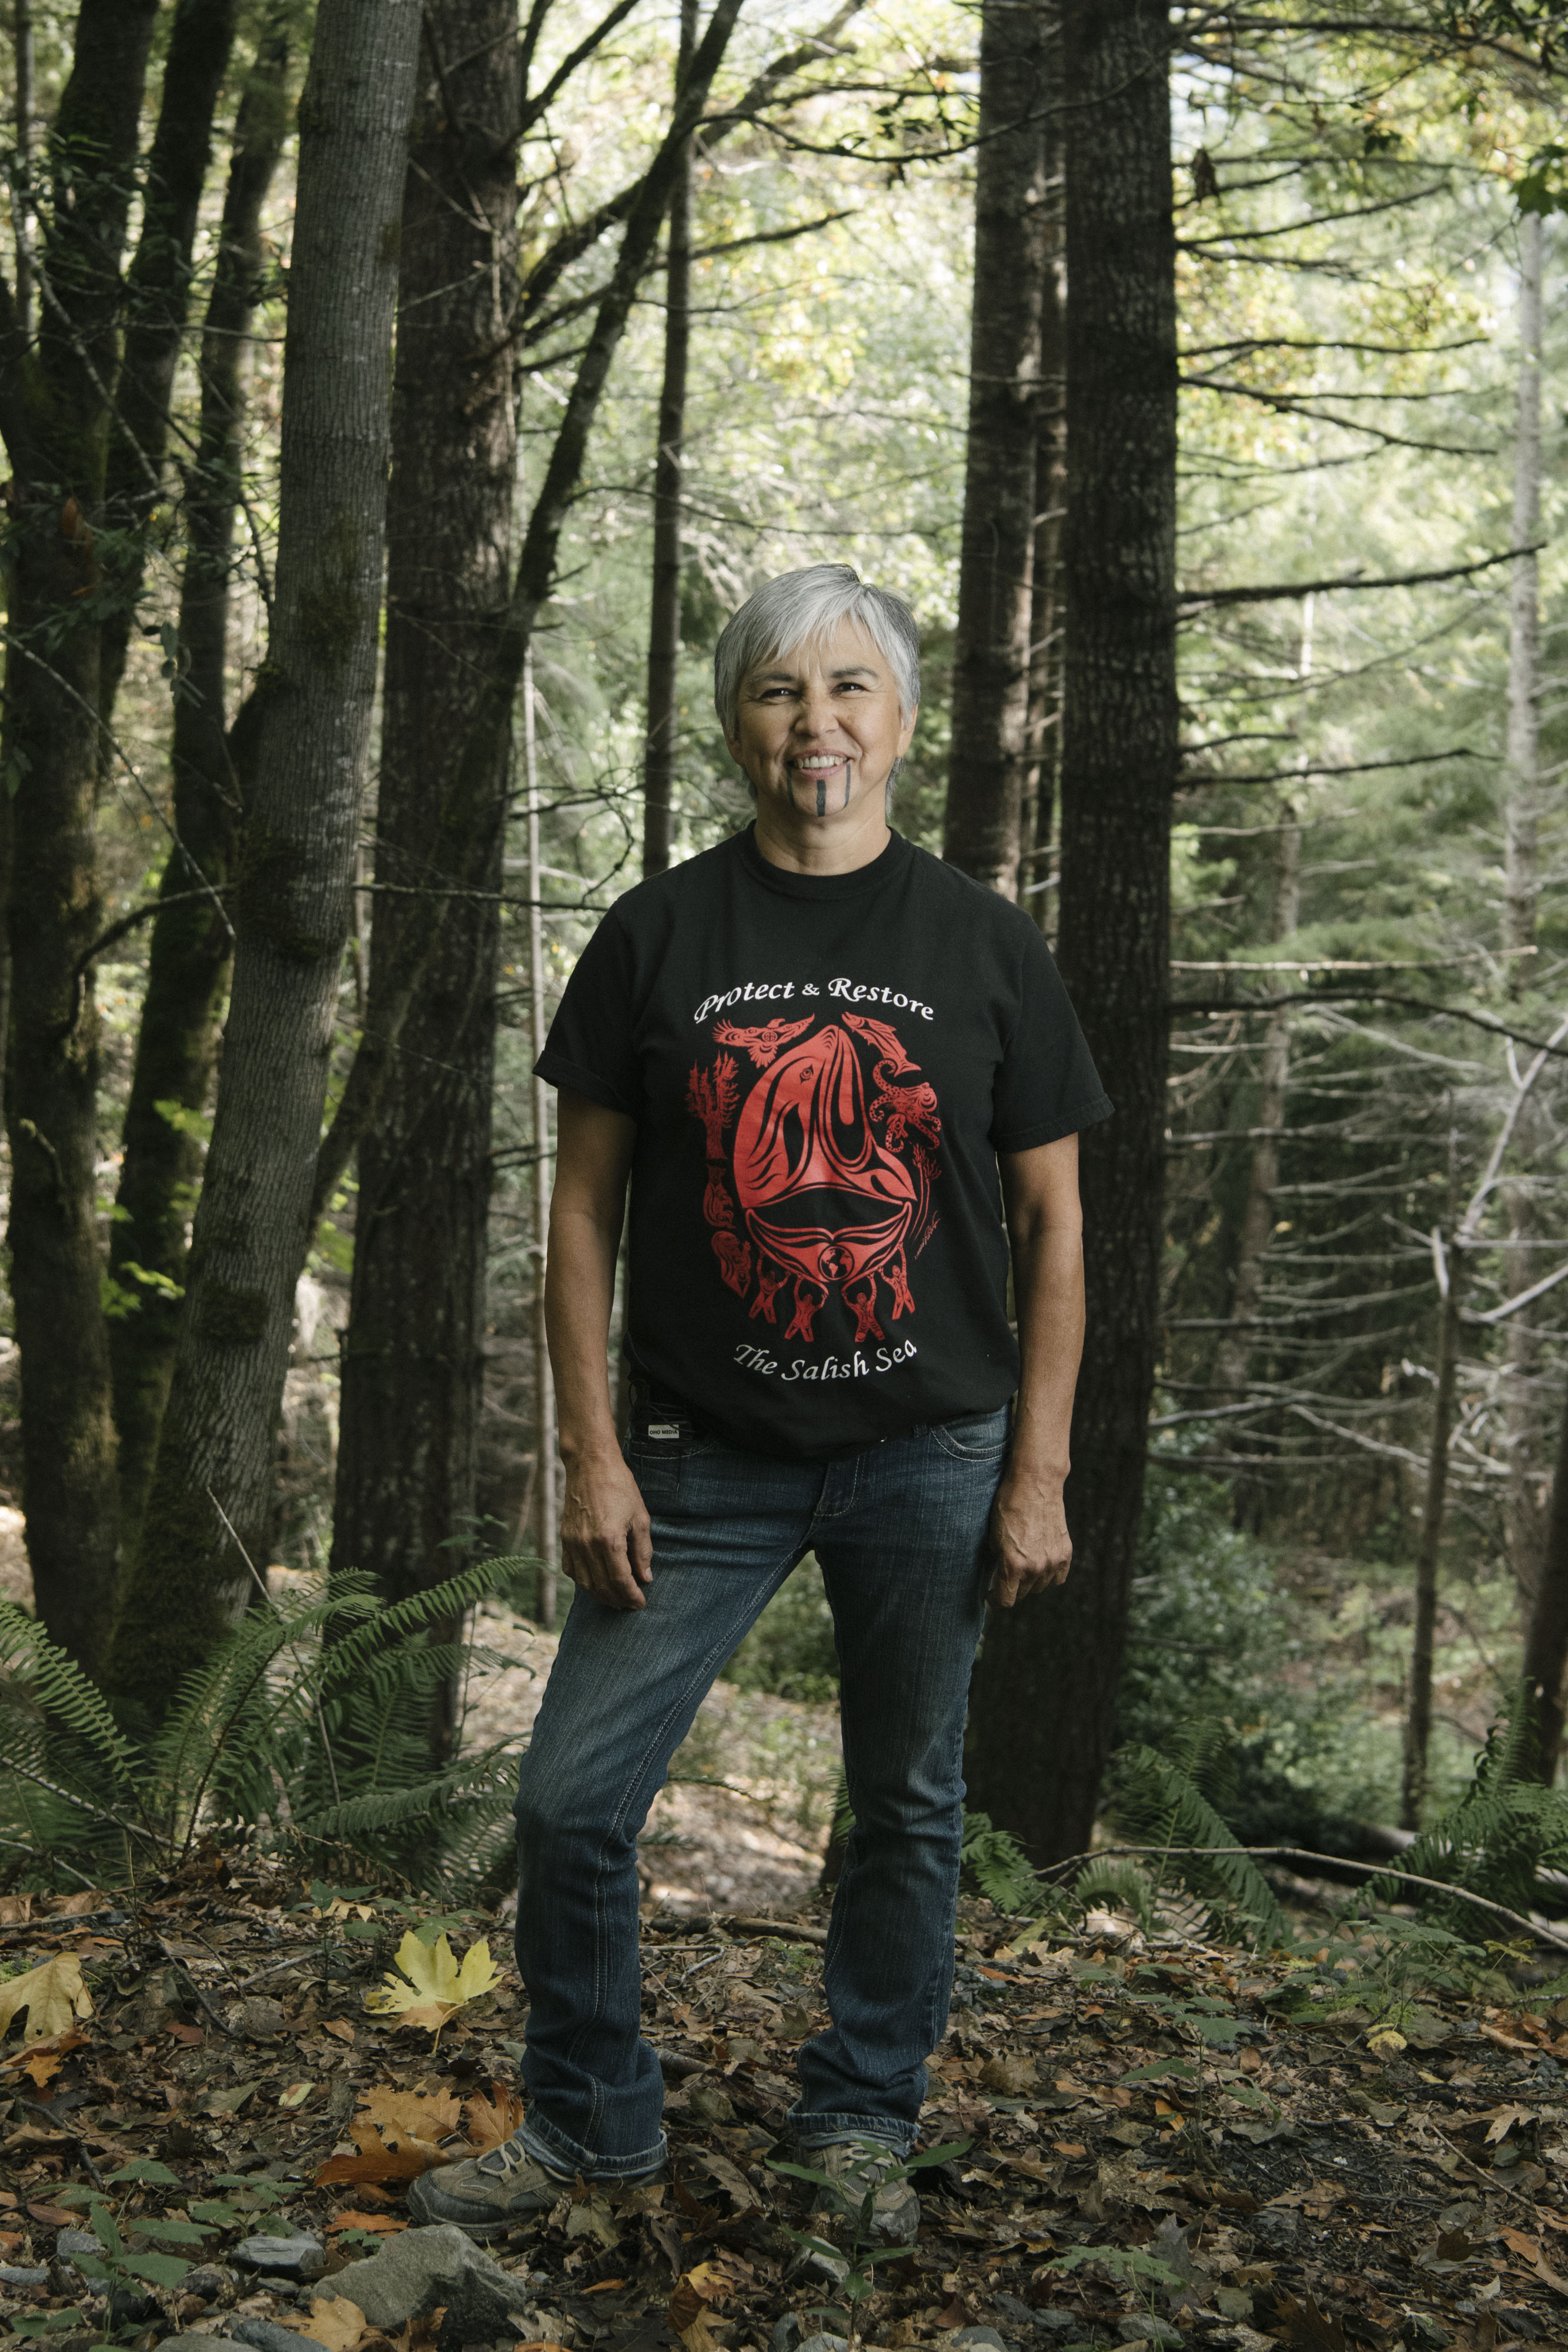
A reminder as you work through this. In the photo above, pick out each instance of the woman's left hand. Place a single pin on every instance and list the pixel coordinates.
(1028, 1539)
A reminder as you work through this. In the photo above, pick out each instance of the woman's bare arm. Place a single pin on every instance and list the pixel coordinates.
(1045, 1225)
(605, 1543)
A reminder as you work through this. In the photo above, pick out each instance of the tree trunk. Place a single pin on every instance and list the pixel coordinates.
(413, 1353)
(1233, 1357)
(1521, 814)
(188, 958)
(546, 1437)
(21, 194)
(157, 288)
(292, 895)
(1047, 635)
(1546, 1640)
(1418, 1717)
(1523, 1517)
(664, 615)
(996, 563)
(52, 410)
(1046, 1686)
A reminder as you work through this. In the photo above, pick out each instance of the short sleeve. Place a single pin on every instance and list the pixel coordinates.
(1047, 1085)
(590, 1048)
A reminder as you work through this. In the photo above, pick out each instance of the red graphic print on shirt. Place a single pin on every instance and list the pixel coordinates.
(834, 1192)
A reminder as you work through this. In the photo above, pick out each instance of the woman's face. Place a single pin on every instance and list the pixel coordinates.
(818, 729)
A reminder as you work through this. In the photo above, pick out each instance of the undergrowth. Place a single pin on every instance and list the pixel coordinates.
(308, 1728)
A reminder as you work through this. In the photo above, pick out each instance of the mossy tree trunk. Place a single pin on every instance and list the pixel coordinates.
(157, 298)
(414, 1355)
(996, 566)
(1046, 1684)
(54, 416)
(188, 958)
(292, 893)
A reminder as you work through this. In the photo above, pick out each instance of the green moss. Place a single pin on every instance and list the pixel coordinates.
(231, 1317)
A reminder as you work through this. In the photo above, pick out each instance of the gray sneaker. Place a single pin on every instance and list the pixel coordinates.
(487, 2195)
(853, 2166)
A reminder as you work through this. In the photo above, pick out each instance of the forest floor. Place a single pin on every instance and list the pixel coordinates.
(1125, 2177)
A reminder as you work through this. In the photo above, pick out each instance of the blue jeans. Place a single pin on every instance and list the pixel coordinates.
(900, 1532)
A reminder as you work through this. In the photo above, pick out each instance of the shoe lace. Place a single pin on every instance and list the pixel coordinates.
(500, 2161)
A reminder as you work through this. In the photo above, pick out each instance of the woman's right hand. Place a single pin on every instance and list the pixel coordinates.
(606, 1537)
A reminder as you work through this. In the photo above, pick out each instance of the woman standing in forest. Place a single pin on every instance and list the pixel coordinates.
(811, 1050)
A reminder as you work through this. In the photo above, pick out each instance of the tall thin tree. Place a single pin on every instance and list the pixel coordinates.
(665, 612)
(291, 905)
(996, 563)
(189, 952)
(1047, 1679)
(412, 1359)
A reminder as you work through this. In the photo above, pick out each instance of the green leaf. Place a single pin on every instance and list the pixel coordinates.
(212, 2209)
(802, 2172)
(950, 2147)
(102, 2222)
(161, 2270)
(1160, 2071)
(43, 2323)
(146, 2169)
(180, 2234)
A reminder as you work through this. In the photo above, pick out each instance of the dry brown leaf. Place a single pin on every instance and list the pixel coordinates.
(14, 1909)
(731, 2179)
(699, 2337)
(694, 2289)
(424, 2117)
(376, 2161)
(490, 2122)
(52, 1995)
(1012, 2076)
(339, 2026)
(334, 2323)
(352, 2218)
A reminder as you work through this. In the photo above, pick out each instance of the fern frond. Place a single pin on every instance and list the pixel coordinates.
(1157, 1804)
(1118, 1886)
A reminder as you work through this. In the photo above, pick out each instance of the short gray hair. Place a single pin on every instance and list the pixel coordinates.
(798, 607)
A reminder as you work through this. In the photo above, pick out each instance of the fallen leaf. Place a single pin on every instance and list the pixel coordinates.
(55, 2217)
(731, 2179)
(694, 2289)
(334, 2322)
(350, 2218)
(14, 1909)
(603, 2286)
(376, 2161)
(191, 2035)
(699, 2337)
(51, 1994)
(296, 2095)
(1503, 2121)
(422, 2117)
(1010, 2076)
(339, 2026)
(1069, 2147)
(432, 1985)
(490, 2122)
(1385, 2041)
(1312, 2329)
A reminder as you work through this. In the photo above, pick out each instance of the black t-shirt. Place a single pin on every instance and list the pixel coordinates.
(822, 1069)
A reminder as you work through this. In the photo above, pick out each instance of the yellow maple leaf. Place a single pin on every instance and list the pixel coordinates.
(432, 1985)
(52, 1995)
(335, 2322)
